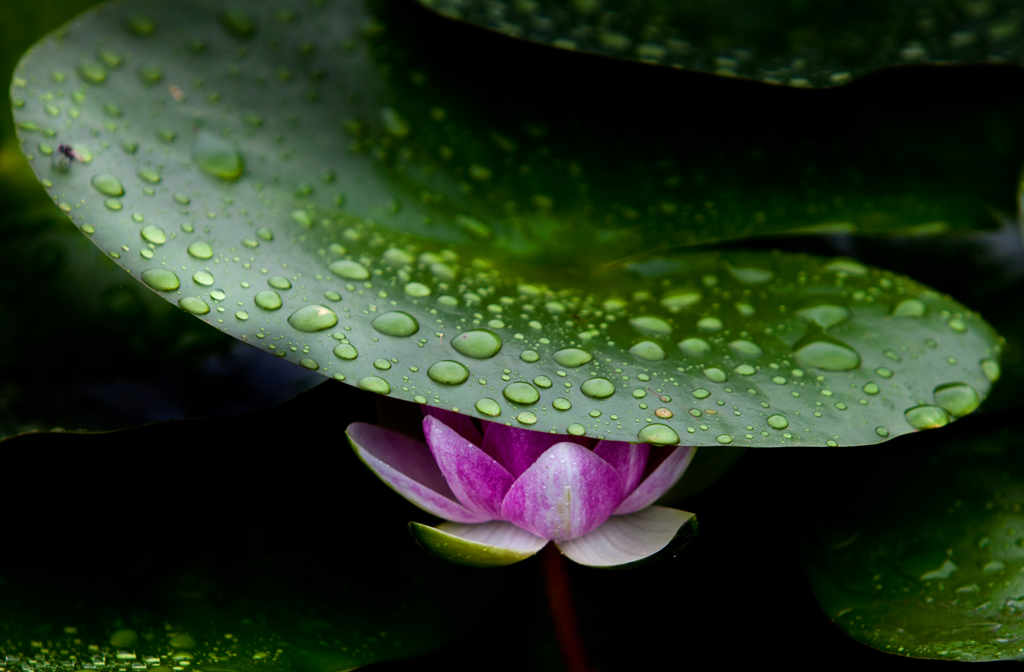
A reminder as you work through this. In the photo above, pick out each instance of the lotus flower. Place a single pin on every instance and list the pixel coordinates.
(506, 492)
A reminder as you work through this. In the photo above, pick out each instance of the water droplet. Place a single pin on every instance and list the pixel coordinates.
(658, 434)
(268, 299)
(381, 364)
(529, 356)
(778, 421)
(345, 351)
(417, 289)
(396, 323)
(694, 347)
(649, 324)
(142, 26)
(881, 431)
(153, 234)
(108, 185)
(200, 250)
(648, 350)
(576, 429)
(679, 299)
(478, 343)
(909, 308)
(217, 157)
(884, 372)
(374, 384)
(194, 305)
(448, 372)
(990, 368)
(561, 404)
(926, 417)
(598, 388)
(312, 318)
(279, 282)
(750, 275)
(745, 370)
(161, 279)
(709, 324)
(715, 375)
(113, 204)
(309, 363)
(870, 388)
(744, 348)
(827, 356)
(542, 382)
(847, 266)
(488, 407)
(237, 23)
(825, 315)
(521, 393)
(724, 438)
(182, 199)
(957, 325)
(701, 393)
(204, 278)
(350, 270)
(527, 418)
(957, 398)
(92, 72)
(572, 357)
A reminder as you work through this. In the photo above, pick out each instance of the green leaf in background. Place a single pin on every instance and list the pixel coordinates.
(926, 558)
(349, 230)
(792, 42)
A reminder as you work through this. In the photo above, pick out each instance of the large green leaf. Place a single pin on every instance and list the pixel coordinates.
(322, 187)
(794, 42)
(926, 559)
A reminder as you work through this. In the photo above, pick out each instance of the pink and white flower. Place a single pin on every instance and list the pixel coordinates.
(505, 492)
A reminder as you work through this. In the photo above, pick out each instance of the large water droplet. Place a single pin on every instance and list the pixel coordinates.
(521, 393)
(374, 384)
(825, 315)
(194, 305)
(827, 356)
(200, 250)
(161, 279)
(778, 421)
(909, 308)
(268, 299)
(478, 343)
(153, 234)
(396, 323)
(350, 270)
(448, 372)
(572, 357)
(957, 398)
(715, 375)
(658, 434)
(217, 157)
(926, 417)
(598, 388)
(648, 350)
(108, 185)
(313, 318)
(649, 324)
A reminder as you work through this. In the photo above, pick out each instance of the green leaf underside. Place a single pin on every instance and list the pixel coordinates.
(802, 44)
(931, 563)
(298, 186)
(446, 541)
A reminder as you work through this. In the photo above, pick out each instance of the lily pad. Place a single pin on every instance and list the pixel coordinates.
(323, 187)
(928, 560)
(799, 44)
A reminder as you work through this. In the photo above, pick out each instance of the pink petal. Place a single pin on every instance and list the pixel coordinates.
(463, 424)
(629, 538)
(566, 493)
(491, 544)
(408, 467)
(475, 478)
(516, 449)
(629, 459)
(658, 481)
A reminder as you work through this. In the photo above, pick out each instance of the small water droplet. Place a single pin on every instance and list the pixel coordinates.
(576, 429)
(92, 72)
(825, 315)
(694, 347)
(396, 323)
(153, 234)
(194, 305)
(542, 382)
(990, 368)
(394, 123)
(709, 324)
(417, 289)
(488, 407)
(108, 185)
(750, 275)
(478, 343)
(345, 351)
(715, 375)
(279, 282)
(572, 357)
(200, 250)
(658, 434)
(150, 175)
(161, 279)
(448, 372)
(350, 270)
(701, 393)
(529, 356)
(679, 299)
(881, 431)
(724, 438)
(926, 417)
(745, 370)
(957, 398)
(142, 26)
(374, 384)
(312, 318)
(870, 388)
(268, 299)
(827, 356)
(649, 324)
(598, 388)
(381, 364)
(217, 157)
(778, 421)
(909, 308)
(204, 278)
(527, 418)
(521, 393)
(744, 348)
(561, 404)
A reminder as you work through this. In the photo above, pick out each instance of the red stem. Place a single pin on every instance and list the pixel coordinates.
(556, 579)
